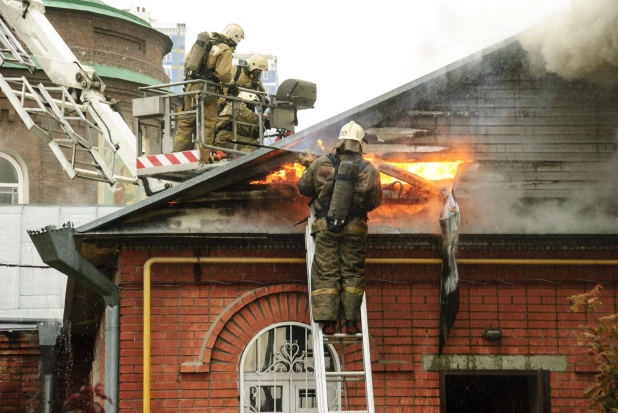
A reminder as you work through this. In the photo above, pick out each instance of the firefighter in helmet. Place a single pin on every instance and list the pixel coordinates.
(248, 73)
(244, 133)
(215, 64)
(340, 230)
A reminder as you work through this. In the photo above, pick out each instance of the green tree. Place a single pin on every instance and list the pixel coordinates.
(601, 342)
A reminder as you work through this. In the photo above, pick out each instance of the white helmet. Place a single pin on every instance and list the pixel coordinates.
(248, 96)
(233, 32)
(257, 61)
(352, 131)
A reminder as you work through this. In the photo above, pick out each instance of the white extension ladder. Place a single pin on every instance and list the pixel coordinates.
(320, 341)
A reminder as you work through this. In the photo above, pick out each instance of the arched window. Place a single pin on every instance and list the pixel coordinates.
(11, 181)
(277, 375)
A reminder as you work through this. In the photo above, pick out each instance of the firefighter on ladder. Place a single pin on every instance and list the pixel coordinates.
(344, 188)
(214, 63)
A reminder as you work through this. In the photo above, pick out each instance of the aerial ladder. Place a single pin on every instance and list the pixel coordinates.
(105, 149)
(320, 341)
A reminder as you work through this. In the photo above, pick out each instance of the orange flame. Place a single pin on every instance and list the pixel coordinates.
(289, 172)
(432, 171)
(320, 145)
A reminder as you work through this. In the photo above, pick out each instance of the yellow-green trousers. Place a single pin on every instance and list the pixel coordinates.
(337, 275)
(224, 138)
(186, 124)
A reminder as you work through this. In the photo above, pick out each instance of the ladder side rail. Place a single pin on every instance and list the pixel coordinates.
(17, 54)
(316, 332)
(367, 356)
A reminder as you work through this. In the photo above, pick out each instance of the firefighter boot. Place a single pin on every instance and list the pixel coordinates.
(329, 327)
(351, 327)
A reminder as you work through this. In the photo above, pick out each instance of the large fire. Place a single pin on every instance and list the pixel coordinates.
(433, 171)
(289, 172)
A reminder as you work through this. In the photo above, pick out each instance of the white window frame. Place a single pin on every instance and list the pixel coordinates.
(289, 385)
(20, 178)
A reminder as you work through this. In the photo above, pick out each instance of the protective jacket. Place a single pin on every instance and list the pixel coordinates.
(317, 183)
(224, 121)
(246, 80)
(219, 60)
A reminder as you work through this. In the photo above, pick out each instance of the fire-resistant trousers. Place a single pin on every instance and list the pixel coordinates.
(337, 275)
(186, 124)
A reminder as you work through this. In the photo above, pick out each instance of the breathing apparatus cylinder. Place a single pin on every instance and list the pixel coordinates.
(343, 195)
(197, 53)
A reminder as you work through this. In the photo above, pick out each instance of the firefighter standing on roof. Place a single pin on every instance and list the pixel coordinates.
(216, 66)
(340, 230)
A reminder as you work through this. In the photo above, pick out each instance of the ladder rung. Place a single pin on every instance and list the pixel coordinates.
(344, 373)
(348, 411)
(345, 379)
(341, 336)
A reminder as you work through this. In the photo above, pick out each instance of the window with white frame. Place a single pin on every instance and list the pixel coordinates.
(11, 181)
(277, 373)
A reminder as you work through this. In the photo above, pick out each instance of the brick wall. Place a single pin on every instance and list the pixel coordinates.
(196, 310)
(20, 380)
(99, 39)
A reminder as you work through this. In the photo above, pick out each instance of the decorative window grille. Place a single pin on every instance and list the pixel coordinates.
(277, 373)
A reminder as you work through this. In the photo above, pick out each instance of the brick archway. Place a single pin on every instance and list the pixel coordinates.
(244, 318)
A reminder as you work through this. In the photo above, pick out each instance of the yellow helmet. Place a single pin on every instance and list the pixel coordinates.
(248, 96)
(352, 131)
(233, 32)
(257, 61)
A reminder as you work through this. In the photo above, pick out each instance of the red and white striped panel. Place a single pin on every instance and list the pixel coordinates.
(167, 162)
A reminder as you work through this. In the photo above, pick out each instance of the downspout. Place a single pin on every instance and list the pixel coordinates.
(56, 247)
(256, 260)
(48, 334)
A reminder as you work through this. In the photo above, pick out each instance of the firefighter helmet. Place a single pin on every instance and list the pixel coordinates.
(248, 96)
(233, 32)
(352, 132)
(257, 61)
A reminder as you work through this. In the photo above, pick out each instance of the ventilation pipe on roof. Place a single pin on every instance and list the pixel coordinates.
(57, 249)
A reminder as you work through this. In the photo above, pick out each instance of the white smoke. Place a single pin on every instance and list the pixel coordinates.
(579, 44)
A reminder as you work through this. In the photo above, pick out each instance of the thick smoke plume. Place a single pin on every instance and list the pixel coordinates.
(579, 44)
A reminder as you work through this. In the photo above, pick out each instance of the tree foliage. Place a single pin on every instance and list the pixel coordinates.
(600, 340)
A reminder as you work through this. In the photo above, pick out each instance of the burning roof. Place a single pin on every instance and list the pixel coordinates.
(534, 155)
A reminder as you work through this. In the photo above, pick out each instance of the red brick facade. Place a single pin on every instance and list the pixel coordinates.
(216, 310)
(20, 367)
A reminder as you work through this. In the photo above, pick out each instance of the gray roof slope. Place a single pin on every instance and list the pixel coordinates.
(264, 160)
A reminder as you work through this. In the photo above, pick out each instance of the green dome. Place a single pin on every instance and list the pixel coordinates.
(95, 6)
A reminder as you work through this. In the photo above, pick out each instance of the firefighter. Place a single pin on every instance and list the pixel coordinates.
(244, 133)
(248, 74)
(340, 230)
(216, 66)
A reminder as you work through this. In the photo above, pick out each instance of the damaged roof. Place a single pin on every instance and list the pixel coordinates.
(523, 138)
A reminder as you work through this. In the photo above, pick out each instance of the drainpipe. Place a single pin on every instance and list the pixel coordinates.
(57, 249)
(48, 334)
(255, 260)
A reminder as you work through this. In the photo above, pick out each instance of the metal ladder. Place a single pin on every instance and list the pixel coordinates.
(320, 340)
(11, 51)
